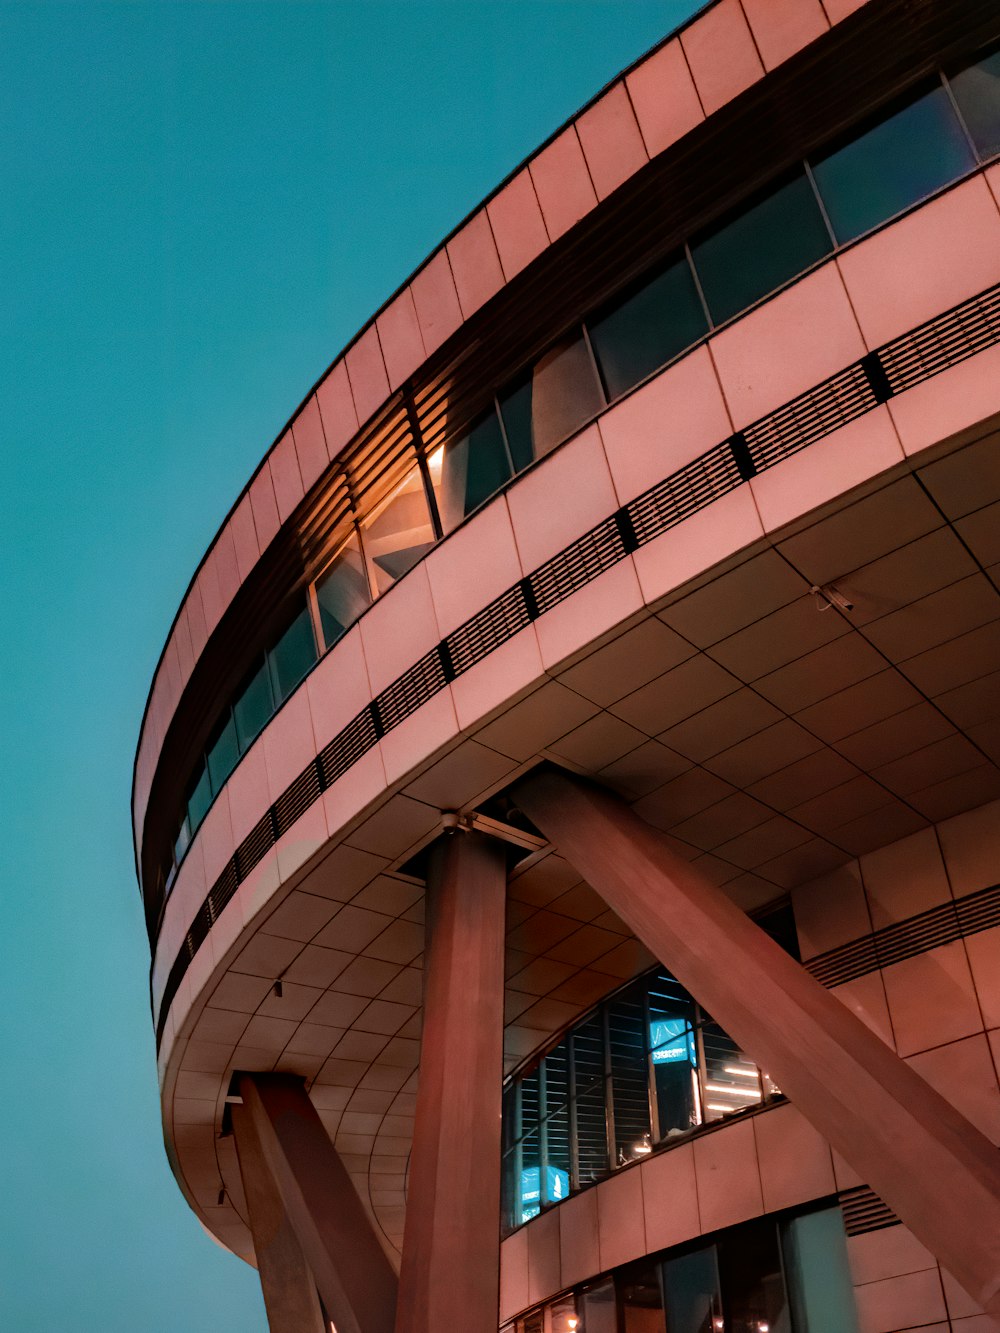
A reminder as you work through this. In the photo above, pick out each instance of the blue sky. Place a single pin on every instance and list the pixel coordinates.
(200, 204)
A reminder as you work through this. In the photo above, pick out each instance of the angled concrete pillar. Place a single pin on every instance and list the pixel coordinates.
(935, 1170)
(295, 1163)
(451, 1246)
(286, 1280)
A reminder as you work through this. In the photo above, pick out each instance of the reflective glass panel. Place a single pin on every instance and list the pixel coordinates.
(674, 1056)
(561, 394)
(893, 164)
(181, 844)
(399, 533)
(647, 327)
(732, 1081)
(640, 1299)
(555, 1127)
(816, 1269)
(598, 1308)
(691, 1292)
(561, 1315)
(223, 754)
(292, 656)
(591, 1113)
(628, 1040)
(199, 800)
(254, 706)
(467, 471)
(977, 92)
(760, 247)
(342, 592)
(753, 1287)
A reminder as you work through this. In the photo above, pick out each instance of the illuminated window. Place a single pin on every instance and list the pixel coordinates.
(342, 592)
(398, 533)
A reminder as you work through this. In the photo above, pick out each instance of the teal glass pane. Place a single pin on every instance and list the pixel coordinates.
(751, 1279)
(183, 841)
(515, 408)
(199, 800)
(897, 162)
(342, 592)
(817, 1273)
(292, 656)
(646, 328)
(254, 706)
(691, 1292)
(561, 394)
(223, 753)
(472, 469)
(760, 247)
(977, 92)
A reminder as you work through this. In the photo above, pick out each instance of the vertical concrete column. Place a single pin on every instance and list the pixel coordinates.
(286, 1156)
(290, 1296)
(934, 1169)
(451, 1247)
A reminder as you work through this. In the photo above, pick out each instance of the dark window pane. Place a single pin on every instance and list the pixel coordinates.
(977, 92)
(563, 393)
(589, 1090)
(640, 1298)
(647, 327)
(897, 162)
(292, 656)
(181, 844)
(469, 470)
(223, 752)
(691, 1292)
(817, 1273)
(674, 1056)
(753, 1288)
(760, 247)
(254, 706)
(629, 1075)
(555, 1128)
(732, 1082)
(342, 592)
(399, 533)
(199, 800)
(598, 1308)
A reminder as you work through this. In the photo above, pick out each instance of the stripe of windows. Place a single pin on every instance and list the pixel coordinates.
(786, 1273)
(644, 1068)
(921, 144)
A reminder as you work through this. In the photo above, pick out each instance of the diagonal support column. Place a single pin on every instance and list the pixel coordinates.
(287, 1283)
(299, 1166)
(451, 1246)
(938, 1173)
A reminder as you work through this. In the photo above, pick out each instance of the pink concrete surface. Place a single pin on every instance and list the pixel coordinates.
(578, 1244)
(964, 1073)
(196, 622)
(543, 1257)
(721, 53)
(901, 1302)
(338, 687)
(310, 443)
(226, 565)
(286, 477)
(664, 98)
(475, 263)
(950, 402)
(216, 838)
(706, 538)
(728, 1177)
(786, 345)
(830, 911)
(244, 534)
(611, 142)
(562, 183)
(795, 1161)
(399, 628)
(336, 409)
(782, 27)
(497, 679)
(576, 622)
(578, 473)
(472, 566)
(841, 9)
(664, 425)
(249, 794)
(399, 334)
(185, 650)
(514, 1273)
(952, 243)
(353, 792)
(932, 999)
(288, 742)
(173, 683)
(366, 371)
(832, 466)
(264, 506)
(420, 735)
(621, 1224)
(518, 228)
(670, 1198)
(436, 300)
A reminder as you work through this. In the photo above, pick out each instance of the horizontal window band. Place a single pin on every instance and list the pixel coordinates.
(932, 347)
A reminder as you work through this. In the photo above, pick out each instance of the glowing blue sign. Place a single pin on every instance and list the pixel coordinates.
(671, 1040)
(556, 1187)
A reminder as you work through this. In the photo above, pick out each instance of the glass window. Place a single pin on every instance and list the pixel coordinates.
(753, 1286)
(560, 395)
(819, 1280)
(254, 706)
(181, 844)
(647, 327)
(674, 1057)
(732, 1082)
(691, 1292)
(292, 656)
(223, 753)
(760, 247)
(977, 92)
(555, 1128)
(199, 800)
(628, 1041)
(640, 1299)
(398, 533)
(598, 1308)
(467, 471)
(342, 592)
(897, 162)
(562, 1316)
(591, 1111)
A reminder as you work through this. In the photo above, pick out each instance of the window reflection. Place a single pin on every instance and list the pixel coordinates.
(292, 656)
(254, 706)
(893, 164)
(398, 533)
(342, 592)
(977, 92)
(467, 471)
(561, 393)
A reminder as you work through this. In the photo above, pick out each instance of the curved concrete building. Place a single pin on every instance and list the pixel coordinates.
(566, 808)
